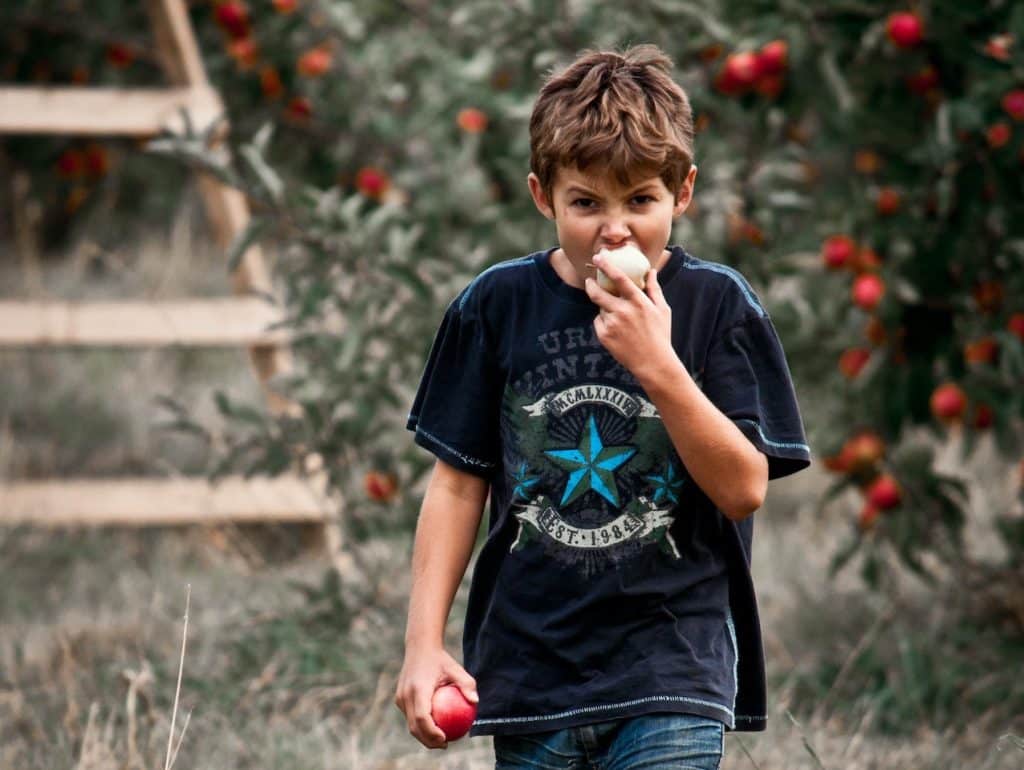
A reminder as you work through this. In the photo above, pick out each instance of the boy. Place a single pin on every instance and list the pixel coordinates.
(624, 438)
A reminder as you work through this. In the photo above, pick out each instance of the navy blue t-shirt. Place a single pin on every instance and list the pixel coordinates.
(609, 585)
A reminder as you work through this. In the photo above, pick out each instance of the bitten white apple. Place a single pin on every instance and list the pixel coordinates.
(630, 260)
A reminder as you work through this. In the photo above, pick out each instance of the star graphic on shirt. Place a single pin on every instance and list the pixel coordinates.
(667, 485)
(523, 482)
(591, 465)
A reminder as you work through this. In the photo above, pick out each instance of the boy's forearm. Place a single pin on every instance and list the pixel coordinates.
(723, 462)
(445, 535)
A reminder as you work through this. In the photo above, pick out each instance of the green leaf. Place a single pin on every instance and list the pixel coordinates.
(268, 177)
(253, 230)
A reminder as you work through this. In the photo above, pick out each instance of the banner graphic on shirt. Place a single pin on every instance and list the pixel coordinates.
(626, 404)
(543, 518)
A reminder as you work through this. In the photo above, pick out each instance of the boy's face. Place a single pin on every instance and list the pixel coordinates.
(594, 211)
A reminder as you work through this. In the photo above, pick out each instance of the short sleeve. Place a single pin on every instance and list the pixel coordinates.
(455, 413)
(746, 376)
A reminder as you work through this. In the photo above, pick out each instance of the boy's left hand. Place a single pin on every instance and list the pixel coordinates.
(636, 326)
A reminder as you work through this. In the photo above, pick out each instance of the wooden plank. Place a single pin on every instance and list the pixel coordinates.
(100, 111)
(218, 322)
(175, 43)
(141, 502)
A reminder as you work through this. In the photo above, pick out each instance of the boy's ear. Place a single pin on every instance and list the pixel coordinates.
(685, 193)
(540, 200)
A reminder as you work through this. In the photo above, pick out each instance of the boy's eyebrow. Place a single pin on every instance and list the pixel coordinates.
(577, 189)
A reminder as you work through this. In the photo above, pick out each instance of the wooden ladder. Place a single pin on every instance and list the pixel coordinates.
(229, 321)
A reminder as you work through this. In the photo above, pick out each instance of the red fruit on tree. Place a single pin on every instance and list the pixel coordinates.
(989, 296)
(867, 291)
(888, 201)
(120, 56)
(982, 351)
(372, 182)
(863, 451)
(244, 51)
(739, 72)
(471, 120)
(923, 80)
(1013, 103)
(867, 162)
(998, 47)
(998, 134)
(773, 57)
(948, 402)
(984, 417)
(315, 62)
(905, 29)
(770, 86)
(866, 260)
(837, 250)
(270, 83)
(452, 712)
(868, 516)
(71, 164)
(285, 6)
(380, 487)
(874, 330)
(299, 108)
(1016, 325)
(852, 361)
(97, 162)
(233, 17)
(884, 492)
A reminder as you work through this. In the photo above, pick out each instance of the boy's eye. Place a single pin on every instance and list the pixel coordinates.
(642, 199)
(583, 203)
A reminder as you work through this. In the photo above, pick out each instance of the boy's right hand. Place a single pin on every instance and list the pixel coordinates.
(423, 671)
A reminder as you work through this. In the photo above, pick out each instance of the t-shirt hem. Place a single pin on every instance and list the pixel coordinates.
(450, 454)
(586, 715)
(784, 457)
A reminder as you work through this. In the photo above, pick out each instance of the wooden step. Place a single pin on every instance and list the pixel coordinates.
(217, 322)
(139, 502)
(98, 111)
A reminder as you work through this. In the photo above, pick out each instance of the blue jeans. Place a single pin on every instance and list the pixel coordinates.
(650, 742)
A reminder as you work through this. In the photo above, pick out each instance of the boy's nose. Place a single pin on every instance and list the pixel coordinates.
(614, 231)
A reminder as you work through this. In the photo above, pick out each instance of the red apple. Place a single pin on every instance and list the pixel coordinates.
(874, 330)
(867, 162)
(852, 361)
(119, 55)
(998, 47)
(838, 250)
(471, 120)
(864, 450)
(998, 134)
(905, 29)
(270, 83)
(948, 402)
(984, 417)
(773, 57)
(989, 296)
(884, 492)
(888, 201)
(233, 17)
(867, 517)
(314, 62)
(285, 6)
(739, 72)
(71, 164)
(981, 351)
(1013, 103)
(868, 290)
(299, 108)
(452, 712)
(372, 182)
(1016, 325)
(923, 80)
(866, 260)
(380, 487)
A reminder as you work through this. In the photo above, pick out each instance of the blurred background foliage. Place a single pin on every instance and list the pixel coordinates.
(860, 163)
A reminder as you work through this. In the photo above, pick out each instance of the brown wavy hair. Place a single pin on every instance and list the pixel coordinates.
(616, 111)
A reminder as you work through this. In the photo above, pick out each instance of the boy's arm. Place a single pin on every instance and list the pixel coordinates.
(445, 534)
